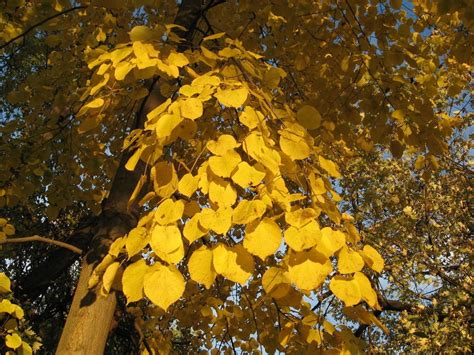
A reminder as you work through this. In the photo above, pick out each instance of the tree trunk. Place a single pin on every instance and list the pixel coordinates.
(87, 328)
(91, 315)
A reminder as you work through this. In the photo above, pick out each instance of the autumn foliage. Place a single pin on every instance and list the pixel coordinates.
(238, 176)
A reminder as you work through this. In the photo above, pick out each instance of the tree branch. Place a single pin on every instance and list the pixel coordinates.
(6, 44)
(37, 238)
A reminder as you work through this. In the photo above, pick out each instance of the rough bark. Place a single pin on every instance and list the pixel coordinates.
(91, 315)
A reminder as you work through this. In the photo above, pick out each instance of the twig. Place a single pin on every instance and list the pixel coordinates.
(37, 238)
(255, 321)
(278, 313)
(230, 336)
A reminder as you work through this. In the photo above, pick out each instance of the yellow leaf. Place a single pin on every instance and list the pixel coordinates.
(140, 51)
(331, 241)
(209, 54)
(26, 349)
(248, 211)
(142, 33)
(235, 264)
(100, 84)
(272, 77)
(314, 336)
(138, 187)
(228, 52)
(9, 229)
(178, 59)
(133, 160)
(329, 166)
(295, 149)
(169, 211)
(420, 162)
(251, 118)
(193, 230)
(303, 238)
(345, 63)
(293, 144)
(167, 243)
(214, 36)
(109, 276)
(346, 289)
(137, 239)
(368, 293)
(221, 192)
(191, 108)
(309, 117)
(317, 185)
(207, 80)
(94, 104)
(307, 270)
(300, 217)
(166, 124)
(122, 69)
(275, 282)
(165, 180)
(352, 233)
(262, 239)
(223, 144)
(349, 261)
(188, 90)
(13, 341)
(116, 247)
(398, 115)
(232, 97)
(188, 185)
(158, 110)
(132, 280)
(5, 283)
(218, 221)
(372, 258)
(7, 307)
(285, 334)
(164, 286)
(255, 146)
(200, 267)
(185, 130)
(246, 175)
(170, 70)
(224, 165)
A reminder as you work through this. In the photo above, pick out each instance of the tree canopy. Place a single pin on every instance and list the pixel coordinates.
(235, 176)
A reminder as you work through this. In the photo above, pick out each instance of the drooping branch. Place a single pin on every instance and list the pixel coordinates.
(42, 22)
(37, 238)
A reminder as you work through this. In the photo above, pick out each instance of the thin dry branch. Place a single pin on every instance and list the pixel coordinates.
(37, 238)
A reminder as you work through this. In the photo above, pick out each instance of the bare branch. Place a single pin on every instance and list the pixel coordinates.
(37, 238)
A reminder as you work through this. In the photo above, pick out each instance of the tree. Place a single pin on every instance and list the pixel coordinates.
(197, 156)
(420, 222)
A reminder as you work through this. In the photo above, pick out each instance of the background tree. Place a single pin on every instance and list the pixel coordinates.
(198, 168)
(420, 219)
